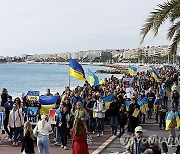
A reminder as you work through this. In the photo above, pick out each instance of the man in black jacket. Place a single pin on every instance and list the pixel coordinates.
(114, 110)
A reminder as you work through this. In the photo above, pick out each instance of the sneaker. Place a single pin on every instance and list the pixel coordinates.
(10, 139)
(1, 142)
(98, 135)
(62, 146)
(56, 143)
(15, 143)
(65, 148)
(102, 133)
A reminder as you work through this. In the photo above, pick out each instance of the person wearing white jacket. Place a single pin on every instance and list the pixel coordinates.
(16, 122)
(99, 109)
(42, 131)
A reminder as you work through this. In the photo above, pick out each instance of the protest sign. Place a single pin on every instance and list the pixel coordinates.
(128, 82)
(129, 92)
(33, 95)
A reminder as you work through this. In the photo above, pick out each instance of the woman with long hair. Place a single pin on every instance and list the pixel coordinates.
(80, 113)
(28, 143)
(63, 126)
(79, 137)
(42, 131)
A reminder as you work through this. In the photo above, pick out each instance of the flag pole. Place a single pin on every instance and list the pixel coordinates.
(69, 75)
(69, 81)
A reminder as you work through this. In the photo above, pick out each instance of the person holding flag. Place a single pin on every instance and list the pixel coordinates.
(172, 121)
(133, 115)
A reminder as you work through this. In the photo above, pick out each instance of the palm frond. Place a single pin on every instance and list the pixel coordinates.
(175, 13)
(175, 42)
(157, 18)
(172, 30)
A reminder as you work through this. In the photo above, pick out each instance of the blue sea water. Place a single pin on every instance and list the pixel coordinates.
(20, 78)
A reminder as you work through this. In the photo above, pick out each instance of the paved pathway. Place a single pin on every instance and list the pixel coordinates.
(150, 128)
(7, 147)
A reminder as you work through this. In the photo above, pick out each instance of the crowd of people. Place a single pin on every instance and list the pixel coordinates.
(82, 111)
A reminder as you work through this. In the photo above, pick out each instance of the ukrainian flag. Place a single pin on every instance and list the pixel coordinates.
(107, 100)
(76, 70)
(45, 109)
(132, 70)
(47, 103)
(127, 103)
(155, 73)
(143, 103)
(92, 78)
(169, 119)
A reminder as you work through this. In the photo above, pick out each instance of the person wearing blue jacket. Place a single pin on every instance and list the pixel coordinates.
(76, 98)
(8, 107)
(62, 123)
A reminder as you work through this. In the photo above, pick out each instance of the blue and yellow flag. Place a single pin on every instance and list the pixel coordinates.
(170, 118)
(45, 109)
(155, 73)
(92, 78)
(143, 103)
(127, 103)
(76, 70)
(132, 70)
(108, 100)
(47, 100)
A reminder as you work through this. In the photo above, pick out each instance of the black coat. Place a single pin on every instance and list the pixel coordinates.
(28, 144)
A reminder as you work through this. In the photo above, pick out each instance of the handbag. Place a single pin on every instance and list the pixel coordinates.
(89, 139)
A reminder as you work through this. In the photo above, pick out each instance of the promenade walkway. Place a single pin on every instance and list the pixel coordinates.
(7, 147)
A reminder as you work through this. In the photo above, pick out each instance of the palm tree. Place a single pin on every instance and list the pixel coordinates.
(169, 10)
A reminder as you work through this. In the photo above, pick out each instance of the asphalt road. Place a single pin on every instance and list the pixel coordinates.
(149, 128)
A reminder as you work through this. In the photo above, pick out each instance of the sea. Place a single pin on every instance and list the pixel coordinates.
(20, 78)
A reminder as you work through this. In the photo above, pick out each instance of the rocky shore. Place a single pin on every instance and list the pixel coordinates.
(115, 69)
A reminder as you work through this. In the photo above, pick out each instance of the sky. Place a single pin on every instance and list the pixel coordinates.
(55, 26)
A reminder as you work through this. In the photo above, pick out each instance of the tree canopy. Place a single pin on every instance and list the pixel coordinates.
(169, 10)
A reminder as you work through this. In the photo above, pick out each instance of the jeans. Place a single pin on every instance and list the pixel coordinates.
(150, 111)
(99, 124)
(57, 135)
(6, 129)
(43, 144)
(90, 122)
(162, 121)
(17, 131)
(114, 123)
